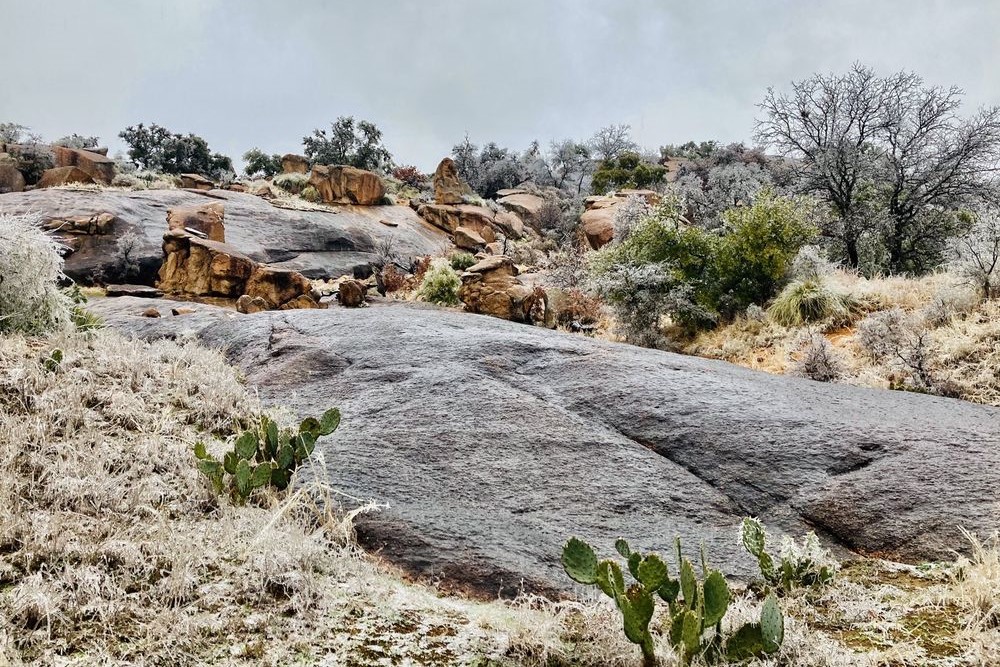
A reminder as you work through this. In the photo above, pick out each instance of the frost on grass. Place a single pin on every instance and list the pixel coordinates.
(114, 550)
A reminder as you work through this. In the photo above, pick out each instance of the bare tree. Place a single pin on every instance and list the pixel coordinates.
(611, 141)
(936, 162)
(978, 252)
(568, 164)
(828, 125)
(870, 144)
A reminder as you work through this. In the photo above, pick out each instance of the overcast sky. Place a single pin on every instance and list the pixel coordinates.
(265, 73)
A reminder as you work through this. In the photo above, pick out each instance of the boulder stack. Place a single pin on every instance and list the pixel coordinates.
(294, 164)
(491, 288)
(100, 168)
(206, 221)
(347, 185)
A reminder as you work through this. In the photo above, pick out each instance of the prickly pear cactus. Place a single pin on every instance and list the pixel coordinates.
(805, 565)
(264, 456)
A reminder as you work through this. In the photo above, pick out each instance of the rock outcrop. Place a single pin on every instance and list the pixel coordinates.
(347, 185)
(319, 244)
(100, 168)
(206, 220)
(294, 164)
(598, 219)
(450, 218)
(11, 179)
(517, 438)
(491, 287)
(469, 239)
(63, 176)
(448, 185)
(195, 267)
(196, 182)
(351, 293)
(526, 206)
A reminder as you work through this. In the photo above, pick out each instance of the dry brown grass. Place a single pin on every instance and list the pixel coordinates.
(114, 551)
(963, 336)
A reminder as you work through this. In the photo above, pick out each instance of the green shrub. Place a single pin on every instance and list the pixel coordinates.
(664, 266)
(293, 183)
(460, 261)
(807, 565)
(264, 456)
(311, 194)
(30, 270)
(696, 607)
(260, 164)
(441, 284)
(810, 300)
(757, 249)
(628, 170)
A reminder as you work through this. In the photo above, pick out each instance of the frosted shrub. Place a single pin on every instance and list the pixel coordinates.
(30, 269)
(818, 360)
(884, 334)
(440, 284)
(629, 215)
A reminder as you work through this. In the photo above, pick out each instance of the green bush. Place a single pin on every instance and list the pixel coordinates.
(441, 284)
(292, 183)
(264, 455)
(260, 164)
(664, 266)
(696, 607)
(460, 261)
(758, 246)
(810, 300)
(628, 170)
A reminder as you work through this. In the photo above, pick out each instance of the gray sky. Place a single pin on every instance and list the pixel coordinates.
(265, 73)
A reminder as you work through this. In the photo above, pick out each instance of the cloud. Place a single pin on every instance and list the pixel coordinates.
(264, 74)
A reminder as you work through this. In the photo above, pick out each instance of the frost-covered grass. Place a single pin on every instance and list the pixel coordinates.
(30, 268)
(946, 327)
(114, 551)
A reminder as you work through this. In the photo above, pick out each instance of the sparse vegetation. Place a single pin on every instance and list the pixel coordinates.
(156, 148)
(440, 284)
(357, 144)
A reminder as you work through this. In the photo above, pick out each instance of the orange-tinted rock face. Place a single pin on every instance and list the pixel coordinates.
(208, 219)
(99, 167)
(347, 185)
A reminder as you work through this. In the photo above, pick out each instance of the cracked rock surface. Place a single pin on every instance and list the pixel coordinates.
(493, 442)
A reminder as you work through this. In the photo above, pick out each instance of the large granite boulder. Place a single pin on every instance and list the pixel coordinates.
(294, 164)
(318, 244)
(347, 185)
(490, 443)
(100, 168)
(205, 220)
(448, 185)
(491, 287)
(63, 176)
(525, 206)
(11, 178)
(450, 217)
(196, 267)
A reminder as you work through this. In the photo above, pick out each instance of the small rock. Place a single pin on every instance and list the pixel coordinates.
(196, 182)
(248, 305)
(352, 293)
(151, 312)
(181, 311)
